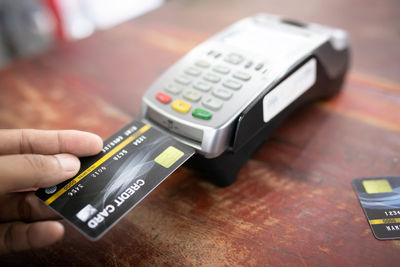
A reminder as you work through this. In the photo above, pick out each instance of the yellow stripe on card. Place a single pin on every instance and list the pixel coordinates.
(385, 221)
(97, 164)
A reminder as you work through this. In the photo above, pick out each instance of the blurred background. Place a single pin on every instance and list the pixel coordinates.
(29, 27)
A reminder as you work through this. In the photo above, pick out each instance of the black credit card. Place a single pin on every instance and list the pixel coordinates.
(380, 200)
(132, 163)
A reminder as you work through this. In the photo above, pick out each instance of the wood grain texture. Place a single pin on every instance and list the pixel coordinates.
(292, 203)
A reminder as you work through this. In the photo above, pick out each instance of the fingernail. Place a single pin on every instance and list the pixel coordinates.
(99, 142)
(68, 162)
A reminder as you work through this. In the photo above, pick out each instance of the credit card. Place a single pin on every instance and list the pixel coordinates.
(380, 200)
(133, 162)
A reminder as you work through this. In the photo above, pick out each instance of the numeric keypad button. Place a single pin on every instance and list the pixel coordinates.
(212, 103)
(234, 59)
(222, 94)
(242, 76)
(221, 69)
(191, 95)
(202, 64)
(173, 89)
(211, 78)
(183, 80)
(192, 71)
(231, 84)
(202, 86)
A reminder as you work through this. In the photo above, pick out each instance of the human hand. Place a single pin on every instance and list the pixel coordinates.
(32, 159)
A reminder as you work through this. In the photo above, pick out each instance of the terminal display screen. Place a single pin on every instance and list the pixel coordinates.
(271, 42)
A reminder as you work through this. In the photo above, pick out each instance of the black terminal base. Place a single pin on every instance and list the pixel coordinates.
(252, 131)
(222, 171)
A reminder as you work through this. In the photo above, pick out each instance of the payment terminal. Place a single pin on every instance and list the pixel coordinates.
(226, 96)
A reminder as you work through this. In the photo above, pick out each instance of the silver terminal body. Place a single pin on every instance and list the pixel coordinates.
(239, 63)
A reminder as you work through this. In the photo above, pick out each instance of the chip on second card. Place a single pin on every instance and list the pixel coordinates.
(377, 186)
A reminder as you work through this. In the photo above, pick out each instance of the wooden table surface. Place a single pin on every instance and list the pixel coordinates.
(292, 204)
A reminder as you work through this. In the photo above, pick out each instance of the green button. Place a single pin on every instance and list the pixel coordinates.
(202, 114)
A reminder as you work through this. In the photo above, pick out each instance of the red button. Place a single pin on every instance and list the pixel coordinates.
(163, 98)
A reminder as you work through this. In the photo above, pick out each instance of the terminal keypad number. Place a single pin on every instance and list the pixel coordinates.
(204, 85)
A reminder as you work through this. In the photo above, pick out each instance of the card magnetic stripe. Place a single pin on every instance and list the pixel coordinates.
(385, 221)
(97, 164)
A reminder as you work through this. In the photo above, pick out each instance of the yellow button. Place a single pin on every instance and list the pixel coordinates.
(181, 106)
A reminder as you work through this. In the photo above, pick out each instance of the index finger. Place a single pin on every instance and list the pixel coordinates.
(29, 141)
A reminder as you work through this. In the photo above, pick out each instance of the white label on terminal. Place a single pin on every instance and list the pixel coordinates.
(289, 90)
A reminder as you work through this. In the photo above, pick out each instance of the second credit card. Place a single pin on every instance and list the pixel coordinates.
(380, 200)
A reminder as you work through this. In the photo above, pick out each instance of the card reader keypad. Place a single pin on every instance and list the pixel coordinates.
(205, 87)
